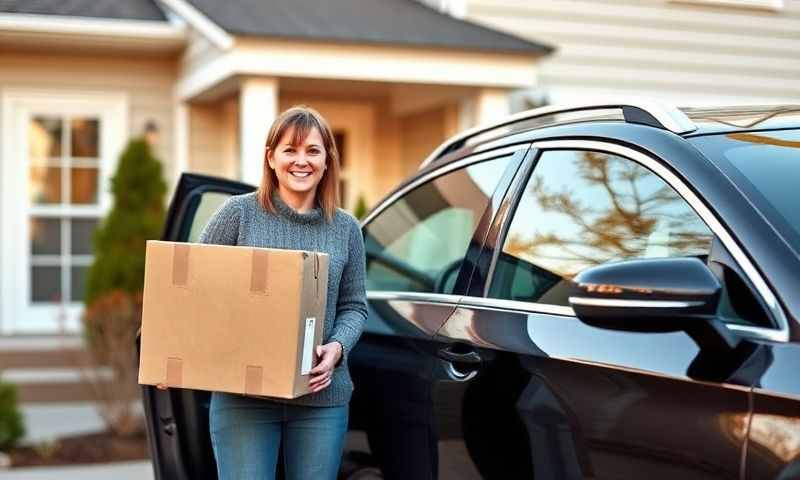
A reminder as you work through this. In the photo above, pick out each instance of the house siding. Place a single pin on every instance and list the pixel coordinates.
(148, 84)
(681, 51)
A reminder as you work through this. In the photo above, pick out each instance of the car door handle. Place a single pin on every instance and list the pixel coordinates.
(467, 356)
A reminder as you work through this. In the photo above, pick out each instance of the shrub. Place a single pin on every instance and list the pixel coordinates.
(115, 281)
(12, 427)
(361, 209)
(111, 323)
(136, 216)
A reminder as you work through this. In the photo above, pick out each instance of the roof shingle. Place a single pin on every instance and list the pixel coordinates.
(403, 22)
(117, 9)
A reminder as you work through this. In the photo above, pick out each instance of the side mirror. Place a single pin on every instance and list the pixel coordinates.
(652, 295)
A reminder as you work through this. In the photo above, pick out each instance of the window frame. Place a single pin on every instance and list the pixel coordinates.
(516, 154)
(780, 331)
(18, 313)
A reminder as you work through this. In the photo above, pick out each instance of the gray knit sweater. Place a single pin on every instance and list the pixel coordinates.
(241, 220)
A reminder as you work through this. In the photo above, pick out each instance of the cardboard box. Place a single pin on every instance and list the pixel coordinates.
(232, 319)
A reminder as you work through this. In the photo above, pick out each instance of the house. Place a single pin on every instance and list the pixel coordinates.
(79, 78)
(686, 52)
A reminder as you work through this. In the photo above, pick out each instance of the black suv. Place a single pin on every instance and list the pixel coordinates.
(605, 291)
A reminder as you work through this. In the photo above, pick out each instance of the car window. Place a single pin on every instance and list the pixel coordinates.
(580, 209)
(209, 203)
(418, 243)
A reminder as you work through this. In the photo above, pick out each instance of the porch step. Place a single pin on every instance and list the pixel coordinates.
(42, 351)
(36, 385)
(73, 357)
(49, 369)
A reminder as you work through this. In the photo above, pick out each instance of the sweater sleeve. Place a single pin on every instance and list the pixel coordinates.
(223, 227)
(351, 305)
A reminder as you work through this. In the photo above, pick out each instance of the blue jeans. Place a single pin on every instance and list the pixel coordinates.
(246, 433)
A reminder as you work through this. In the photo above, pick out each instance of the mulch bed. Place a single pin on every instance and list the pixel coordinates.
(100, 447)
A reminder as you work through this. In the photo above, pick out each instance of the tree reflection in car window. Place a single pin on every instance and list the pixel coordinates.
(418, 243)
(581, 209)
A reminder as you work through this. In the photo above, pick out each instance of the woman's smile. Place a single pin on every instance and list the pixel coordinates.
(299, 167)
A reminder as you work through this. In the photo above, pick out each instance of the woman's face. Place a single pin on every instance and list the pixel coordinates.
(299, 168)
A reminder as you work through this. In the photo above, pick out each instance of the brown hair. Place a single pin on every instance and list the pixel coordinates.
(300, 120)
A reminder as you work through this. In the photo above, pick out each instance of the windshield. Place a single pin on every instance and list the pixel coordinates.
(766, 166)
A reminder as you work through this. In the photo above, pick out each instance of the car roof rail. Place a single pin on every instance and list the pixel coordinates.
(646, 112)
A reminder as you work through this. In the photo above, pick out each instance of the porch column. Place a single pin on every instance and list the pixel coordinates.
(258, 107)
(491, 104)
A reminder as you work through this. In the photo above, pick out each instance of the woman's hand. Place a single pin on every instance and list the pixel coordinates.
(329, 355)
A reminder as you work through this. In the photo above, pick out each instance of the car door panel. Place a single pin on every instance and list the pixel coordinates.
(595, 403)
(589, 402)
(177, 419)
(773, 446)
(394, 423)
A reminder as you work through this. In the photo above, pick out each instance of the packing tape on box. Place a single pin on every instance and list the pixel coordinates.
(174, 372)
(253, 379)
(180, 264)
(258, 271)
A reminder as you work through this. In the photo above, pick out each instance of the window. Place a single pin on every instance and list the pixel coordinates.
(210, 202)
(581, 209)
(63, 179)
(419, 242)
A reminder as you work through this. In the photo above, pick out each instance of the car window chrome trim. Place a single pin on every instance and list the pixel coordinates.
(443, 170)
(502, 304)
(511, 199)
(625, 303)
(419, 297)
(780, 334)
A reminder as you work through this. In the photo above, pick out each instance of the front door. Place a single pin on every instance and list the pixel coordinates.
(59, 152)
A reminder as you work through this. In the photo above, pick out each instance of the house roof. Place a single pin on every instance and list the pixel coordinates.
(116, 9)
(393, 22)
(403, 22)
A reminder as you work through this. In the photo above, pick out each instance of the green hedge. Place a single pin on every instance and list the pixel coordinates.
(12, 427)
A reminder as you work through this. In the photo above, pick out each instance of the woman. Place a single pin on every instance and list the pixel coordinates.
(295, 208)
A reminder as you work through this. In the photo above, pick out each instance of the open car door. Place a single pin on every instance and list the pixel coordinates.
(177, 419)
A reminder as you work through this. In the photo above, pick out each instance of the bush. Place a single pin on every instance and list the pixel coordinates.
(12, 427)
(136, 216)
(115, 282)
(110, 324)
(361, 209)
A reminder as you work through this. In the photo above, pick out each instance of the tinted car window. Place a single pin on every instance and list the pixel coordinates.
(209, 203)
(418, 243)
(581, 209)
(766, 166)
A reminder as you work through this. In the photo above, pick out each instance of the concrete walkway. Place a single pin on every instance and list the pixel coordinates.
(117, 471)
(48, 421)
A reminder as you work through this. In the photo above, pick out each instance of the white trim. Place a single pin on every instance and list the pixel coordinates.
(516, 305)
(418, 297)
(213, 32)
(85, 26)
(374, 63)
(627, 303)
(771, 5)
(17, 106)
